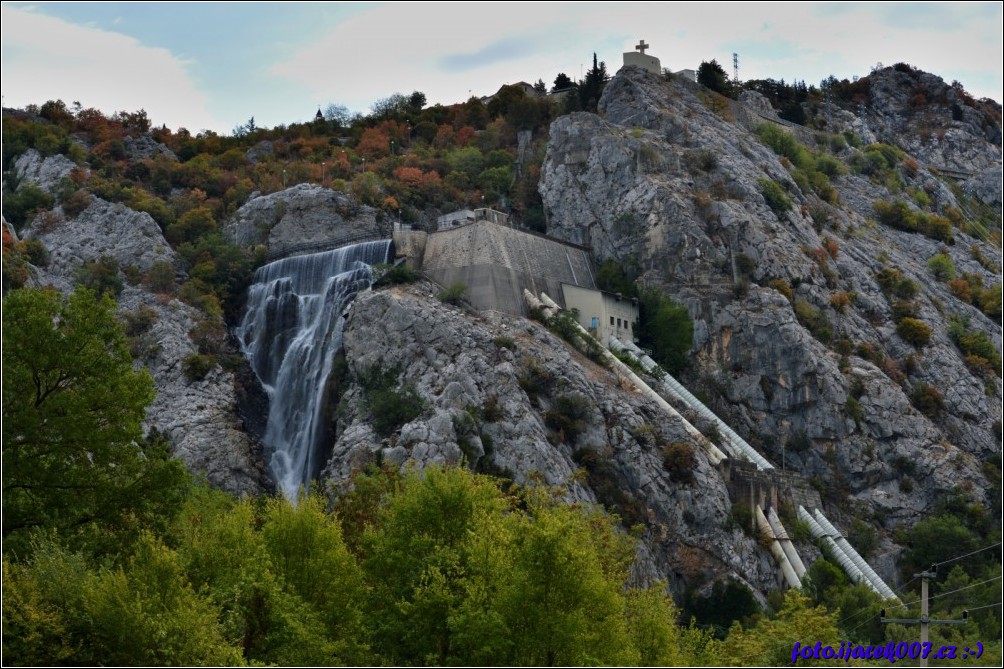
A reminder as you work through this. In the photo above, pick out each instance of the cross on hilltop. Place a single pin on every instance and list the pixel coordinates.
(642, 46)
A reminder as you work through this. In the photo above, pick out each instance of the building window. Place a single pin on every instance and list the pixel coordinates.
(611, 320)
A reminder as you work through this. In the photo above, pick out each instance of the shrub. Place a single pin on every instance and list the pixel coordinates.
(840, 300)
(855, 410)
(535, 379)
(160, 277)
(567, 417)
(390, 404)
(977, 347)
(491, 411)
(666, 328)
(140, 321)
(392, 275)
(76, 203)
(941, 267)
(783, 287)
(775, 196)
(503, 341)
(814, 320)
(19, 207)
(101, 276)
(745, 265)
(798, 442)
(927, 400)
(197, 365)
(454, 293)
(914, 331)
(678, 460)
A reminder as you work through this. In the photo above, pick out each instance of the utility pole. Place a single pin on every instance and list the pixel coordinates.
(735, 70)
(924, 620)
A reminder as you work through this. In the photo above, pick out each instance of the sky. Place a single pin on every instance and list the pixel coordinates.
(213, 66)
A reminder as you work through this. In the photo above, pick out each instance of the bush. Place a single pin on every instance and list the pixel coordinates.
(976, 346)
(160, 277)
(678, 460)
(392, 275)
(666, 328)
(76, 203)
(775, 196)
(941, 267)
(453, 294)
(814, 320)
(390, 404)
(840, 300)
(783, 287)
(19, 207)
(914, 331)
(927, 400)
(567, 417)
(101, 276)
(197, 365)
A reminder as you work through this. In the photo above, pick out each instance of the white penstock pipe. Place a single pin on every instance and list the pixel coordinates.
(856, 558)
(785, 541)
(535, 303)
(715, 454)
(676, 390)
(845, 562)
(777, 551)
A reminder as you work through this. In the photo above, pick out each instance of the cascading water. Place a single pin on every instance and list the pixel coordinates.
(290, 333)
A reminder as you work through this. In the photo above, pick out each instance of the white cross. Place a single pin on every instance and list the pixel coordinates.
(642, 46)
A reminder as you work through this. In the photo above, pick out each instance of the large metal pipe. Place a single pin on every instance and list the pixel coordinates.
(876, 580)
(715, 455)
(785, 541)
(852, 571)
(776, 550)
(676, 390)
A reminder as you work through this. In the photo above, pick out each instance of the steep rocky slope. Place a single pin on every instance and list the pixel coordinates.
(494, 389)
(199, 417)
(659, 181)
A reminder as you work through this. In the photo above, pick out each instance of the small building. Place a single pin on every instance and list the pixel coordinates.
(641, 59)
(467, 216)
(602, 314)
(689, 75)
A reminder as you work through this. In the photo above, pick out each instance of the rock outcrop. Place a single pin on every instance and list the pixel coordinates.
(200, 418)
(494, 387)
(46, 173)
(302, 214)
(660, 181)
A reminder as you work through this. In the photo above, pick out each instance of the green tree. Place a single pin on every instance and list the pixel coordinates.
(74, 456)
(666, 328)
(593, 85)
(713, 76)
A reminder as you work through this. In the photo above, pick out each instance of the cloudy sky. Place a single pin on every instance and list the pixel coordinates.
(214, 65)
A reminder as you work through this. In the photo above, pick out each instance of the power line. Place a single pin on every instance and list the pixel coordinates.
(950, 592)
(987, 606)
(938, 564)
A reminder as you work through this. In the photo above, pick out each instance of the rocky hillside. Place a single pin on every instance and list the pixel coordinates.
(505, 395)
(109, 242)
(835, 342)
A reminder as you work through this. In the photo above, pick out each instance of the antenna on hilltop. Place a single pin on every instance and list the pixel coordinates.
(735, 69)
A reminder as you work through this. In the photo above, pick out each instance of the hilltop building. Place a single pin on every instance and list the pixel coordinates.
(641, 59)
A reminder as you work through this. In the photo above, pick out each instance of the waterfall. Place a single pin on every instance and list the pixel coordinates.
(290, 333)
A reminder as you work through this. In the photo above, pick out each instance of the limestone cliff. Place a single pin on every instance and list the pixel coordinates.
(669, 179)
(200, 418)
(493, 388)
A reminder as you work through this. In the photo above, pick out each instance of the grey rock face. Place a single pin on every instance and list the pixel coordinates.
(143, 147)
(660, 179)
(45, 173)
(301, 214)
(103, 229)
(199, 418)
(460, 363)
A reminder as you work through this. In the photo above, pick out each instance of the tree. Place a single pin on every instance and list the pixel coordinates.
(561, 82)
(713, 76)
(666, 328)
(540, 87)
(337, 114)
(74, 456)
(593, 85)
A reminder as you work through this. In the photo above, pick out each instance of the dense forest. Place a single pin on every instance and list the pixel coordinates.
(113, 554)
